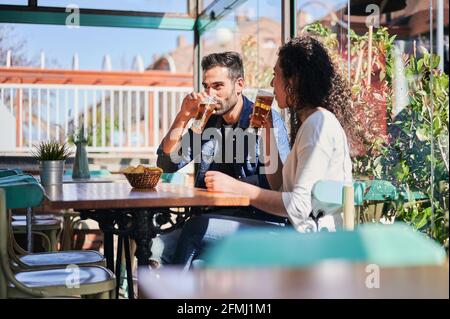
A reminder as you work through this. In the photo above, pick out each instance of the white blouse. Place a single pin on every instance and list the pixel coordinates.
(320, 152)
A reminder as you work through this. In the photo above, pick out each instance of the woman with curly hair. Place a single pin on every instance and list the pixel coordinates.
(305, 81)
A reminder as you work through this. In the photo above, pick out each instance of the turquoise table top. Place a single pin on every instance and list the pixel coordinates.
(384, 245)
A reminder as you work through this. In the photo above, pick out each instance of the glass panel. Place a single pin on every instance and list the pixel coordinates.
(174, 6)
(326, 20)
(400, 100)
(254, 30)
(401, 103)
(445, 46)
(91, 45)
(113, 95)
(439, 227)
(14, 2)
(206, 3)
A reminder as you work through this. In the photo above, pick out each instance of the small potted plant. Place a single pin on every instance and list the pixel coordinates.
(51, 156)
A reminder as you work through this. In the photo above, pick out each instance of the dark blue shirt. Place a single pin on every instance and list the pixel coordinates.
(214, 150)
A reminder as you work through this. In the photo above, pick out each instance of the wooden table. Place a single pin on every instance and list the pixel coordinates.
(66, 180)
(121, 210)
(327, 280)
(94, 179)
(120, 194)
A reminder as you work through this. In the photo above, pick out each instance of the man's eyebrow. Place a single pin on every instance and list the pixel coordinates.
(214, 83)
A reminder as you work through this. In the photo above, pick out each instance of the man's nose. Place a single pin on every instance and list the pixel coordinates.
(271, 82)
(212, 92)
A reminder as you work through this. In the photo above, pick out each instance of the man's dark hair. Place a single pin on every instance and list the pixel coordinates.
(230, 60)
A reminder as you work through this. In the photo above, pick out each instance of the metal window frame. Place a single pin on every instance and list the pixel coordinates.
(197, 20)
(35, 14)
(288, 19)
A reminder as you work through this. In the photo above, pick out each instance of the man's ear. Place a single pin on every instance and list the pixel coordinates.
(239, 85)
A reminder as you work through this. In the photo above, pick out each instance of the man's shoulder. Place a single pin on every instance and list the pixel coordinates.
(247, 102)
(276, 114)
(276, 119)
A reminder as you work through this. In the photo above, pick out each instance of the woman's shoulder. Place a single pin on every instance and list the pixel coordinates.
(321, 121)
(321, 127)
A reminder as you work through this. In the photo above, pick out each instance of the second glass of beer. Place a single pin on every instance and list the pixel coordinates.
(261, 108)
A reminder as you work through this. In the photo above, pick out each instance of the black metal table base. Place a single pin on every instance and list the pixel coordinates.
(141, 225)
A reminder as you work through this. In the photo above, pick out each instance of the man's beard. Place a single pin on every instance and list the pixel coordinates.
(226, 106)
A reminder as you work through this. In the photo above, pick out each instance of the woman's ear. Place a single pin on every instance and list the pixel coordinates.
(291, 83)
(239, 85)
(290, 87)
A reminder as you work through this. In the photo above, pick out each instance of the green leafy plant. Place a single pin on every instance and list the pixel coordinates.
(420, 129)
(413, 147)
(51, 151)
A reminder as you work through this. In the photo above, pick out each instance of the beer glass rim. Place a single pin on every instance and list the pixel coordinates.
(264, 92)
(209, 100)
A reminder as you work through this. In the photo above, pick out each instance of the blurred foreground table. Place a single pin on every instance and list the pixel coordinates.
(332, 279)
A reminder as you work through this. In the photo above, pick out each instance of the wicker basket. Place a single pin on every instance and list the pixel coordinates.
(143, 180)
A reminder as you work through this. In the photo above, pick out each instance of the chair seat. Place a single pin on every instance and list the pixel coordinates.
(59, 277)
(35, 217)
(39, 224)
(62, 258)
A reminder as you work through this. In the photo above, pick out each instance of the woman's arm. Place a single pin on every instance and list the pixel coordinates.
(266, 200)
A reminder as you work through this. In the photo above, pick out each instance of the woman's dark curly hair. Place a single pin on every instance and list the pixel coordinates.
(312, 81)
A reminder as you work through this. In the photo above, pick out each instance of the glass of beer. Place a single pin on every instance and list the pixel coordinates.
(205, 109)
(261, 108)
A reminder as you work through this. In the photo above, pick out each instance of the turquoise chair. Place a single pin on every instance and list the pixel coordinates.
(331, 195)
(10, 171)
(396, 245)
(15, 187)
(89, 281)
(47, 229)
(385, 245)
(336, 194)
(19, 185)
(369, 197)
(380, 192)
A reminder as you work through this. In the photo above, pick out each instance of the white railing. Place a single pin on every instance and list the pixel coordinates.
(139, 115)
